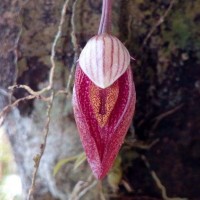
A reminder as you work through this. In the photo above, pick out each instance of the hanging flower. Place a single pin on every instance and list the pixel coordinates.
(103, 97)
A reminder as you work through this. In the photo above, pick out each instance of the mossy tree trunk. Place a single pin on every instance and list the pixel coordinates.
(167, 77)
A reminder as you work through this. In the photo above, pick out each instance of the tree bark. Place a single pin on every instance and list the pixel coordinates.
(166, 73)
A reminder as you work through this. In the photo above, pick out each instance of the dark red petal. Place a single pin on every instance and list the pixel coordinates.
(103, 117)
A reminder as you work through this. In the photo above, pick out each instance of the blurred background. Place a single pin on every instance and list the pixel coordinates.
(160, 158)
(10, 182)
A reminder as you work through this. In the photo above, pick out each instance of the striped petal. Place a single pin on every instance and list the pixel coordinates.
(103, 117)
(104, 59)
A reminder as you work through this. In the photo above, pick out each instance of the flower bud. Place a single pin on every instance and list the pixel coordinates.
(103, 100)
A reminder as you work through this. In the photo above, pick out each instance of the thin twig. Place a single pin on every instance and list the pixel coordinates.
(100, 190)
(16, 53)
(7, 108)
(73, 33)
(52, 58)
(38, 157)
(127, 186)
(158, 182)
(159, 22)
(30, 90)
(141, 144)
(75, 45)
(129, 24)
(86, 189)
(82, 187)
(165, 114)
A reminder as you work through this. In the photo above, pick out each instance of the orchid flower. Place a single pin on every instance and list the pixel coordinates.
(103, 96)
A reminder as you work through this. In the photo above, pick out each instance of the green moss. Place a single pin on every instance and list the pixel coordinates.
(181, 31)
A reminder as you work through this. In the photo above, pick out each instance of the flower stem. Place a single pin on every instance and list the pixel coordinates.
(105, 23)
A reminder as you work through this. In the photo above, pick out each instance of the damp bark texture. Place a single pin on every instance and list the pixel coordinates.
(167, 81)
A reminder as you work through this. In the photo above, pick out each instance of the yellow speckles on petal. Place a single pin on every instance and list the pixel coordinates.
(103, 101)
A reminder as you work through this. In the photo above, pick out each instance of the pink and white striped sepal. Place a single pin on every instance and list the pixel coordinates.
(104, 59)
